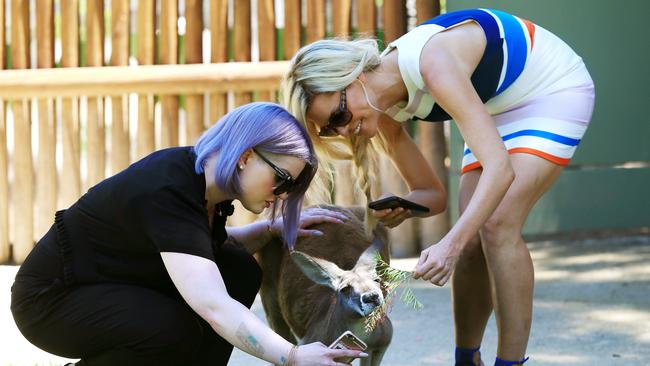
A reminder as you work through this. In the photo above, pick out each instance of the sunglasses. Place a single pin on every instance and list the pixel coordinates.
(284, 182)
(339, 118)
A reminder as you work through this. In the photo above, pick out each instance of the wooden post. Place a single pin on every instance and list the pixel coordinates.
(366, 18)
(242, 41)
(242, 52)
(169, 55)
(70, 187)
(46, 184)
(95, 57)
(404, 240)
(23, 187)
(146, 50)
(315, 20)
(394, 12)
(432, 143)
(266, 39)
(341, 17)
(194, 55)
(291, 34)
(120, 142)
(5, 253)
(219, 49)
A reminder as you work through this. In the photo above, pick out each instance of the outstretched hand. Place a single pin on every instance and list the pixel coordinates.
(318, 354)
(308, 217)
(437, 263)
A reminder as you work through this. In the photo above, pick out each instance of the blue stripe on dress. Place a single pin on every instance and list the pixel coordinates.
(538, 133)
(484, 19)
(516, 46)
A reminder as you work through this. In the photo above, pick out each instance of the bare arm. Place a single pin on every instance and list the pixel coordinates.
(447, 77)
(257, 234)
(424, 186)
(200, 283)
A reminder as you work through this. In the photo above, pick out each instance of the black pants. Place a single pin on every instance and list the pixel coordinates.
(118, 324)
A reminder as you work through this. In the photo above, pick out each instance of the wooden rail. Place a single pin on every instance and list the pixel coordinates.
(157, 79)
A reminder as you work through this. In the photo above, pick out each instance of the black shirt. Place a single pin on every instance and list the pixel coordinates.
(117, 230)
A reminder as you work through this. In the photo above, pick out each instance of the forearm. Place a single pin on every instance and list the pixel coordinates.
(239, 326)
(434, 199)
(489, 192)
(252, 236)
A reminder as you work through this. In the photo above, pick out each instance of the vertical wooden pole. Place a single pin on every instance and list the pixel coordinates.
(432, 143)
(120, 144)
(341, 17)
(394, 12)
(291, 34)
(70, 187)
(4, 174)
(169, 55)
(242, 41)
(366, 18)
(315, 20)
(23, 187)
(46, 184)
(404, 240)
(266, 38)
(4, 182)
(194, 55)
(145, 54)
(219, 49)
(95, 57)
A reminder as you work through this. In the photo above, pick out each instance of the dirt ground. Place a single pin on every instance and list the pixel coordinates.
(592, 307)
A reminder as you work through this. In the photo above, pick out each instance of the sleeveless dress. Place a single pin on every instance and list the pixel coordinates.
(536, 88)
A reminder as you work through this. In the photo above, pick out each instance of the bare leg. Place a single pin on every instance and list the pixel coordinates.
(509, 264)
(471, 294)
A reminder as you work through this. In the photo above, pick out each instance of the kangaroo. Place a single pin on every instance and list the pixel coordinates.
(328, 285)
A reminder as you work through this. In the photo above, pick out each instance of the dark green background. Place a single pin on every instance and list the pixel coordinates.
(607, 185)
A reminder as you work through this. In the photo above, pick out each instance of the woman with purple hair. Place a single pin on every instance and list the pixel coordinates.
(137, 271)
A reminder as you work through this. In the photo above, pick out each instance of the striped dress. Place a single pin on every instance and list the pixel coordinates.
(537, 88)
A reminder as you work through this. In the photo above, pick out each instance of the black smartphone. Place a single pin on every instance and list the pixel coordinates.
(395, 202)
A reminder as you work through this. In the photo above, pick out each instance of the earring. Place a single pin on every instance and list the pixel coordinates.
(241, 167)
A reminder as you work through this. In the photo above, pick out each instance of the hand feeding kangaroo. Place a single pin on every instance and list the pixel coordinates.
(328, 285)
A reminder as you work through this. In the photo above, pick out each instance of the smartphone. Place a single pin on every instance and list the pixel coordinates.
(395, 202)
(348, 340)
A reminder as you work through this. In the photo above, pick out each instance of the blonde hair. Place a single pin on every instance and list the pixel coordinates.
(329, 66)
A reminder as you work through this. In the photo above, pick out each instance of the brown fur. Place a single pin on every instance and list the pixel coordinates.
(297, 307)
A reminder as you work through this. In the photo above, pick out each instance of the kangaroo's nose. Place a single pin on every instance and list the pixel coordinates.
(370, 298)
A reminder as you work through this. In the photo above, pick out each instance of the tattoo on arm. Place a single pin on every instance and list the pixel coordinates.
(249, 342)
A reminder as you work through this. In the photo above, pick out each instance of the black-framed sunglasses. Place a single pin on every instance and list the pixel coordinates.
(339, 118)
(284, 182)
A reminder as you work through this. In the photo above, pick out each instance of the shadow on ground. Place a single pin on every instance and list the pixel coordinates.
(592, 307)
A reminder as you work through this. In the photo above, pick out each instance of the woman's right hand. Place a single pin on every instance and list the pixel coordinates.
(320, 355)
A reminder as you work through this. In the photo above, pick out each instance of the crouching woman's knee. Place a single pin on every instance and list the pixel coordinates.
(499, 233)
(241, 273)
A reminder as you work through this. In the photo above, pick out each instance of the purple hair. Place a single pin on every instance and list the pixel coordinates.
(268, 128)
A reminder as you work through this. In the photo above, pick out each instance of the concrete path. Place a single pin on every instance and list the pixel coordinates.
(592, 307)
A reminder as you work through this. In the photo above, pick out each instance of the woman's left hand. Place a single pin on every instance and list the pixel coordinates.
(309, 217)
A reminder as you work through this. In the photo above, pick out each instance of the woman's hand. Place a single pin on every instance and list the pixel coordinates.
(318, 354)
(437, 262)
(309, 217)
(391, 217)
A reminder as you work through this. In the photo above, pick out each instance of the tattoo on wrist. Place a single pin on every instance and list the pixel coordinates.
(249, 342)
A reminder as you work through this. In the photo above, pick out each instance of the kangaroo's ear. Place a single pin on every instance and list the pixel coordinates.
(321, 271)
(369, 256)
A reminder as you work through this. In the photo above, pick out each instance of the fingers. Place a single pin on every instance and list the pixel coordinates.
(419, 269)
(392, 217)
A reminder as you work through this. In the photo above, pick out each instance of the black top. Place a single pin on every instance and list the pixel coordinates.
(117, 230)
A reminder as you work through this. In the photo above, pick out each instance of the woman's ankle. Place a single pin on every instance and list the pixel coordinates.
(468, 356)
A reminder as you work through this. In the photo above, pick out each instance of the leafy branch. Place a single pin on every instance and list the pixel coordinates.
(391, 279)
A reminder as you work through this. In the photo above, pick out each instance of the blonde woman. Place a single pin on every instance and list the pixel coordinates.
(522, 100)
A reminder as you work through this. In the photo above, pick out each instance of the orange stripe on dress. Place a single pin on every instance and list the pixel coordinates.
(527, 150)
(531, 30)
